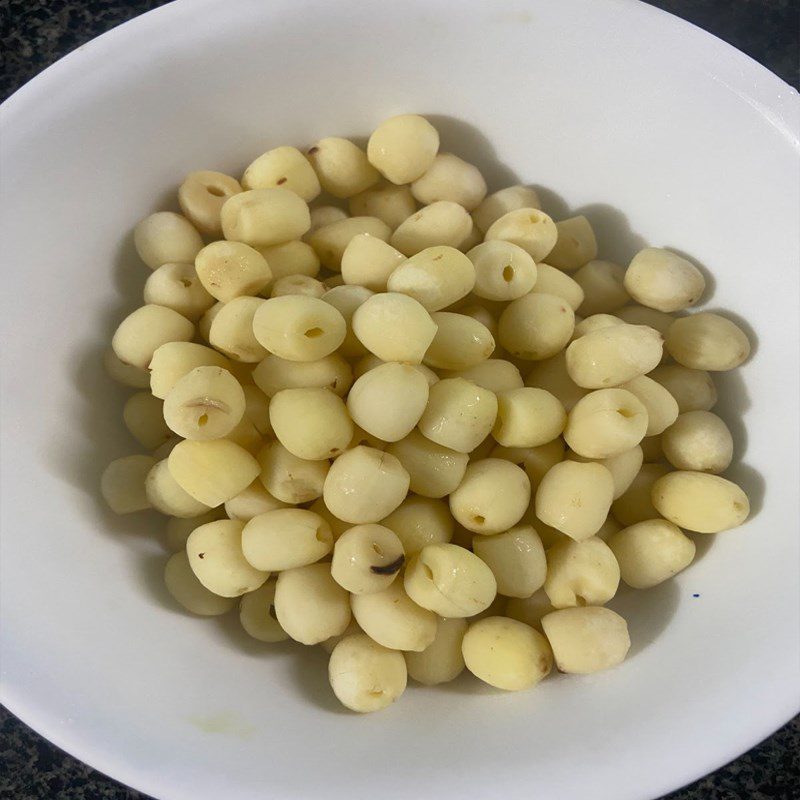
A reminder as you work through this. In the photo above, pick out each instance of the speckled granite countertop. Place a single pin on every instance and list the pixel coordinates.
(34, 34)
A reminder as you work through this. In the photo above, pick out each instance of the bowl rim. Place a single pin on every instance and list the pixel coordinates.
(665, 18)
(775, 99)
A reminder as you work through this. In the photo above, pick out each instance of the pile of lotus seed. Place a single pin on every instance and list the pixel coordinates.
(418, 424)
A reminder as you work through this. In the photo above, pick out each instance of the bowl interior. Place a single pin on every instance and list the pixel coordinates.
(659, 133)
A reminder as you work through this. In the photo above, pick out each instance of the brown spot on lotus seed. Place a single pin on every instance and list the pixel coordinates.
(281, 181)
(201, 555)
(478, 519)
(186, 282)
(544, 665)
(389, 569)
(313, 333)
(508, 273)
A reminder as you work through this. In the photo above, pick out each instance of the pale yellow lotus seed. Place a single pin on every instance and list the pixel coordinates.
(341, 166)
(506, 653)
(284, 167)
(550, 280)
(387, 202)
(699, 441)
(403, 148)
(576, 245)
(700, 502)
(264, 217)
(201, 197)
(536, 326)
(575, 498)
(441, 661)
(587, 639)
(650, 552)
(531, 229)
(583, 573)
(707, 341)
(365, 676)
(166, 237)
(663, 280)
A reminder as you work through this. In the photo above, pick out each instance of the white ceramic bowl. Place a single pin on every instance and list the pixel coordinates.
(659, 132)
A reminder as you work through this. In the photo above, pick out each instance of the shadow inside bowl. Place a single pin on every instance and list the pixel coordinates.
(310, 677)
(734, 402)
(703, 542)
(308, 666)
(150, 574)
(647, 612)
(94, 435)
(229, 629)
(465, 683)
(616, 241)
(96, 412)
(457, 136)
(552, 202)
(753, 484)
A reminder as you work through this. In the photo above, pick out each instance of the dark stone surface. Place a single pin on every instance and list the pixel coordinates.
(34, 34)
